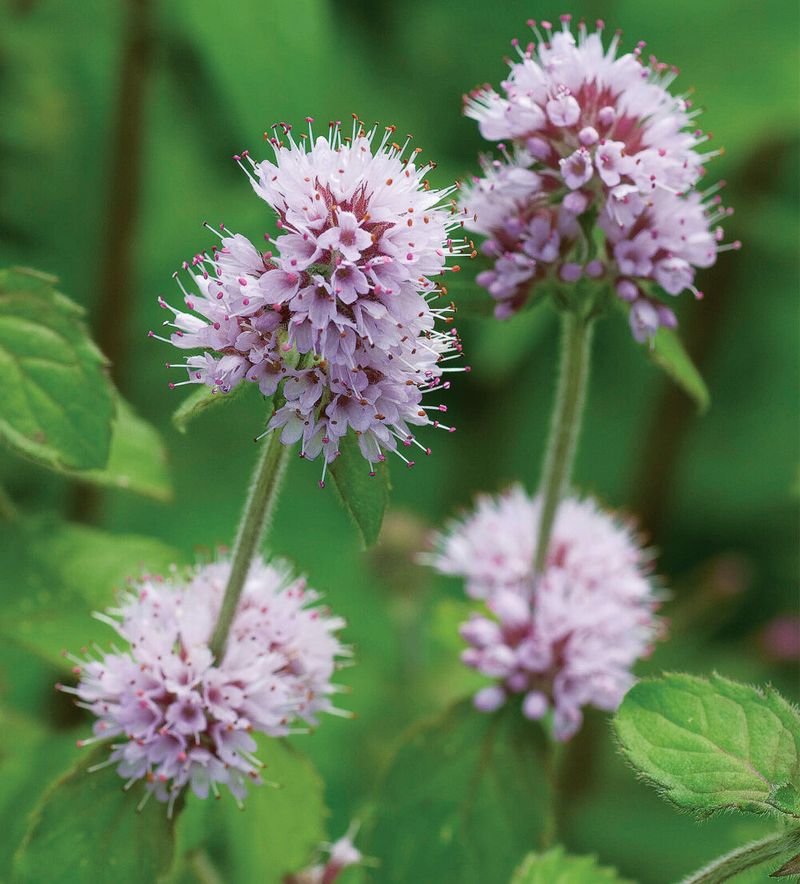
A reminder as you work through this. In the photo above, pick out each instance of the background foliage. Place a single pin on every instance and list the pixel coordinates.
(119, 121)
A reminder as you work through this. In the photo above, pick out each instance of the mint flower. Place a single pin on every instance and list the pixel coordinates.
(178, 717)
(601, 181)
(348, 286)
(567, 639)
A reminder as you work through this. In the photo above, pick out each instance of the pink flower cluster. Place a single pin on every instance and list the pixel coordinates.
(568, 638)
(179, 717)
(601, 179)
(341, 855)
(342, 306)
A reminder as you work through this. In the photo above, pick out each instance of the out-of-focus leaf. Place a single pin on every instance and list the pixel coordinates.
(276, 833)
(56, 576)
(469, 298)
(138, 459)
(30, 759)
(365, 497)
(201, 400)
(557, 867)
(668, 353)
(57, 404)
(87, 828)
(464, 797)
(713, 744)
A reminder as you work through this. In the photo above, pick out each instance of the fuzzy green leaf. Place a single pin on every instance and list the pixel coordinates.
(713, 744)
(57, 403)
(556, 867)
(202, 400)
(463, 797)
(668, 353)
(57, 575)
(86, 828)
(138, 459)
(364, 497)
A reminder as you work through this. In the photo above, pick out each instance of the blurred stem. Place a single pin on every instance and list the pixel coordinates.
(204, 869)
(261, 500)
(576, 340)
(774, 848)
(553, 754)
(8, 511)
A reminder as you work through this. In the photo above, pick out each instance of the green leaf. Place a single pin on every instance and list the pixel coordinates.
(57, 575)
(788, 869)
(275, 834)
(57, 403)
(556, 867)
(668, 352)
(464, 796)
(713, 744)
(364, 497)
(86, 828)
(138, 459)
(30, 758)
(202, 400)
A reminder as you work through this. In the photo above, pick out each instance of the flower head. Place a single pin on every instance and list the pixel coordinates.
(341, 309)
(178, 716)
(601, 179)
(570, 637)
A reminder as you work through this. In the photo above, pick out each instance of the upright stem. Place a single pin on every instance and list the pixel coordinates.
(552, 767)
(773, 848)
(260, 502)
(575, 351)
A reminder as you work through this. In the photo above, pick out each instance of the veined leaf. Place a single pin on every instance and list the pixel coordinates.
(557, 867)
(713, 744)
(364, 497)
(57, 404)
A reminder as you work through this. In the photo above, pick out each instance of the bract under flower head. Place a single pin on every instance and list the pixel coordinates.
(348, 284)
(598, 142)
(179, 717)
(570, 637)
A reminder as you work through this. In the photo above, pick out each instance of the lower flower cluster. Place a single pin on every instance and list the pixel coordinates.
(565, 638)
(179, 717)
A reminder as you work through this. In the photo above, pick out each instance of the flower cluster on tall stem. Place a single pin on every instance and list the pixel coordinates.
(564, 636)
(600, 179)
(180, 716)
(349, 284)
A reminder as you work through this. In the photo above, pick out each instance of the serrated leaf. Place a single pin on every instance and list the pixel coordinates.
(668, 353)
(138, 459)
(55, 576)
(557, 867)
(276, 833)
(86, 828)
(201, 400)
(364, 497)
(57, 404)
(713, 744)
(464, 797)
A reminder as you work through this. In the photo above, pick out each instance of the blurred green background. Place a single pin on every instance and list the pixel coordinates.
(119, 122)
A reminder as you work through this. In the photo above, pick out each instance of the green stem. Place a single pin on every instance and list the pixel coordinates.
(552, 768)
(260, 502)
(774, 848)
(576, 343)
(204, 869)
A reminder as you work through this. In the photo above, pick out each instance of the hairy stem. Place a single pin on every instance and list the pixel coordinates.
(774, 848)
(264, 491)
(575, 351)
